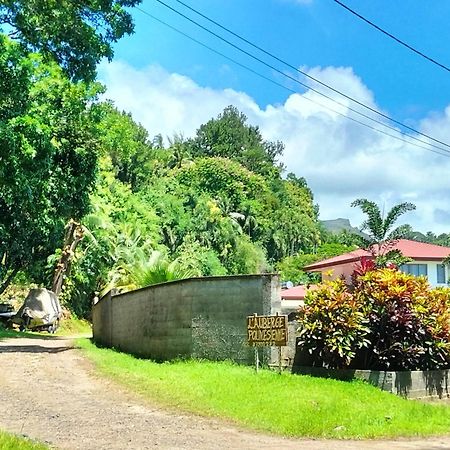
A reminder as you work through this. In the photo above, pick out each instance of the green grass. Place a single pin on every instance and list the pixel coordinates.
(281, 404)
(69, 327)
(11, 442)
(74, 326)
(17, 334)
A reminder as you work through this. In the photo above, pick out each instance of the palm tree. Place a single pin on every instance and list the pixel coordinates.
(381, 236)
(178, 145)
(146, 271)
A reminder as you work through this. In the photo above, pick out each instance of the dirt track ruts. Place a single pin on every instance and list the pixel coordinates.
(48, 391)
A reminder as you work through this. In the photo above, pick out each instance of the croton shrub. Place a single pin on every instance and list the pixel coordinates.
(388, 320)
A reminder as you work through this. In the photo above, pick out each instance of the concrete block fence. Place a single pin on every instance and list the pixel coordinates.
(196, 317)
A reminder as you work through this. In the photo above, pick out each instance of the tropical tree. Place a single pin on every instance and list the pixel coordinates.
(151, 270)
(48, 157)
(77, 35)
(229, 136)
(178, 149)
(127, 144)
(381, 234)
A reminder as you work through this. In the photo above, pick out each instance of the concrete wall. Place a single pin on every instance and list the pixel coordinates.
(409, 384)
(198, 317)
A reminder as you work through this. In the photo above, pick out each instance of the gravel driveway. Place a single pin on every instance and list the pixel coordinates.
(51, 393)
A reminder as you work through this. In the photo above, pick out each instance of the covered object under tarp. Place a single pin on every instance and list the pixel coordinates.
(40, 310)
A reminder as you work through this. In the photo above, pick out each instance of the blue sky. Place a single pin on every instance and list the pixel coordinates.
(171, 84)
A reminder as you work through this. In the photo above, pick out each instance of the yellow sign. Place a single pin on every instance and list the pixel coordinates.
(267, 330)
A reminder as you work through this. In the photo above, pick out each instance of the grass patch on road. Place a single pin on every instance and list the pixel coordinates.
(285, 404)
(12, 442)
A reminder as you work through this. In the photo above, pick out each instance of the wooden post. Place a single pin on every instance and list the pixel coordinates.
(256, 353)
(280, 368)
(279, 354)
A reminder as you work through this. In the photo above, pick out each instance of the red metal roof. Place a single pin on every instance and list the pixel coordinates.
(412, 249)
(297, 292)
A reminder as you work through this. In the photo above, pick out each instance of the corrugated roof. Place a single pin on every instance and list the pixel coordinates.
(412, 249)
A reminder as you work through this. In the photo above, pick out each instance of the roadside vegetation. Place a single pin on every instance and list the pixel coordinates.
(287, 405)
(111, 204)
(12, 442)
(8, 333)
(386, 319)
(71, 326)
(74, 326)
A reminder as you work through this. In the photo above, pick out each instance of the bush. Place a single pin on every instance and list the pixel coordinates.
(388, 321)
(334, 326)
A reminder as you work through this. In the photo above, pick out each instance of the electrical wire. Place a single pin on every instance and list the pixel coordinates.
(443, 152)
(286, 63)
(313, 89)
(409, 47)
(403, 125)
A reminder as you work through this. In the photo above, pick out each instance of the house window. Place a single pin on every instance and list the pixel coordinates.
(441, 273)
(415, 269)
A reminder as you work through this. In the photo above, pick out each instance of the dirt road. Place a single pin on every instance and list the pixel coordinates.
(49, 392)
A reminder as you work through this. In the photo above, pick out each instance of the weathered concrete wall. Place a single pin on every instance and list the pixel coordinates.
(198, 317)
(102, 316)
(409, 384)
(289, 351)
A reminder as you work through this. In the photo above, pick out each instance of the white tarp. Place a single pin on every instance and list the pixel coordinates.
(42, 308)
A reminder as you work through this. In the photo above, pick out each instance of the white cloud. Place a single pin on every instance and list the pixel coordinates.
(340, 159)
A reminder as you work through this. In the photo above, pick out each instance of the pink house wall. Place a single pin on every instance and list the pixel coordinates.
(345, 270)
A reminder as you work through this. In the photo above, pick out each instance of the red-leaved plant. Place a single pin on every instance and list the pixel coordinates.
(388, 321)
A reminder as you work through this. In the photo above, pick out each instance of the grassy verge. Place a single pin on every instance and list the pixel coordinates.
(11, 442)
(69, 327)
(16, 334)
(282, 404)
(74, 326)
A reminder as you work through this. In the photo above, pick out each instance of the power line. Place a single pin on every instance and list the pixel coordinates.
(409, 47)
(446, 152)
(403, 125)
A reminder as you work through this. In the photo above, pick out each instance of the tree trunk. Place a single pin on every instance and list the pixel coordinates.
(74, 234)
(8, 280)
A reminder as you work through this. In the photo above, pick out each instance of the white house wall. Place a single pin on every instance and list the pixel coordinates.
(345, 270)
(432, 272)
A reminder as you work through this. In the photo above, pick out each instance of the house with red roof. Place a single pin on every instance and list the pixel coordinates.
(427, 260)
(293, 298)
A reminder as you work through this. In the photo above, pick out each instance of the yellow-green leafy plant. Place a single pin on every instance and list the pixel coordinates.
(334, 325)
(388, 321)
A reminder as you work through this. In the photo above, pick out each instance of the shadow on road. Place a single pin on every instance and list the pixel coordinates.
(32, 349)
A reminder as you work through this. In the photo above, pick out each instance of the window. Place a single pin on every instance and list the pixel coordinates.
(415, 269)
(441, 273)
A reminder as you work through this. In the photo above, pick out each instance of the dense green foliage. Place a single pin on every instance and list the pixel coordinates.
(163, 213)
(74, 34)
(388, 321)
(48, 157)
(281, 404)
(229, 136)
